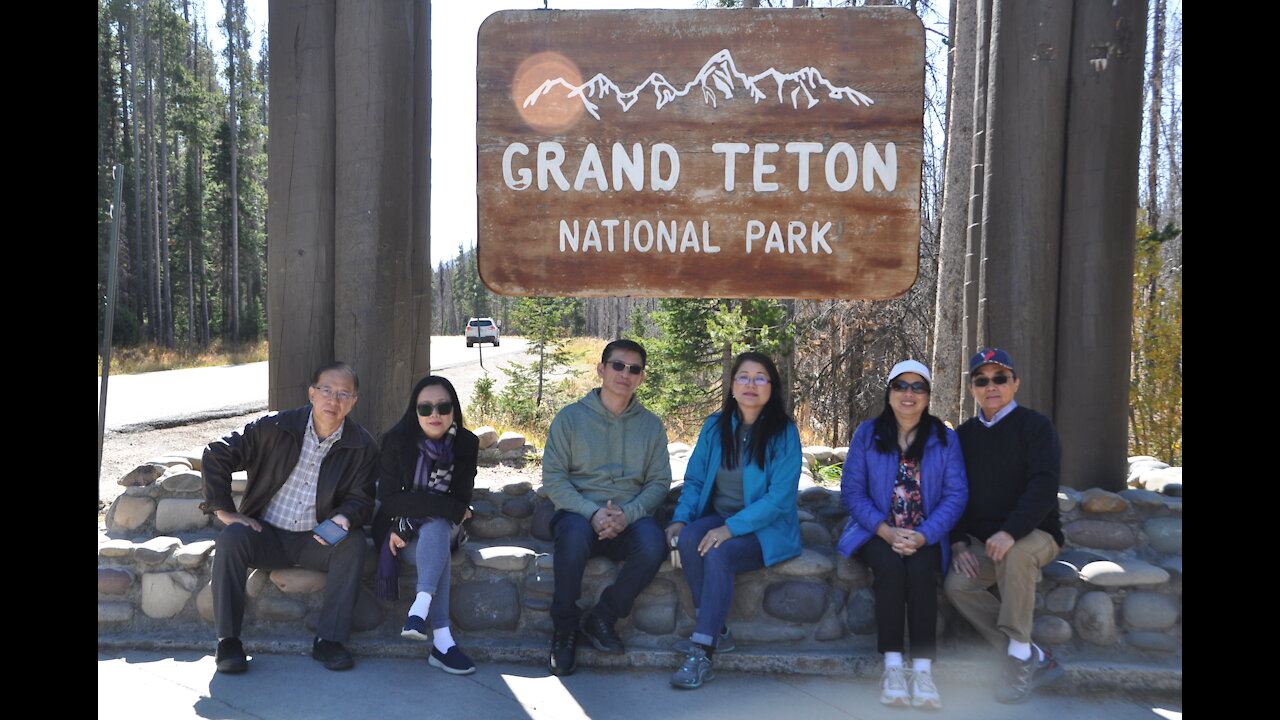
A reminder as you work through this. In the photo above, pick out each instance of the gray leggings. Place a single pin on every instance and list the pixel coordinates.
(431, 556)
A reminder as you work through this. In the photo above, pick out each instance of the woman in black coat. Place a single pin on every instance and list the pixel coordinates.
(427, 471)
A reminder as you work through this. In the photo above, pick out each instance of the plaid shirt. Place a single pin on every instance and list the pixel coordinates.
(294, 506)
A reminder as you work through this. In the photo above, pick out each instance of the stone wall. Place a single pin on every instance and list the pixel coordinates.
(1117, 585)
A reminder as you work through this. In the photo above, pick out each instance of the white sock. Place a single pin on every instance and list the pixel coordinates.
(893, 659)
(1039, 652)
(1020, 650)
(421, 605)
(442, 639)
(922, 665)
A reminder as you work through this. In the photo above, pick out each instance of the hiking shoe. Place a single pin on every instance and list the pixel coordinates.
(601, 634)
(695, 670)
(454, 662)
(1047, 670)
(1016, 677)
(332, 654)
(924, 694)
(230, 658)
(415, 628)
(893, 687)
(724, 643)
(564, 658)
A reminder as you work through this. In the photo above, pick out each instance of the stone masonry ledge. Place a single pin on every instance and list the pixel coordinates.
(1110, 605)
(968, 665)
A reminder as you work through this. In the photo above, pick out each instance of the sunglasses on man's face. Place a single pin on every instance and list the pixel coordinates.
(619, 366)
(444, 408)
(918, 387)
(997, 379)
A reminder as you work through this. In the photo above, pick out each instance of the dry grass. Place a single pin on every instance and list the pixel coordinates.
(150, 358)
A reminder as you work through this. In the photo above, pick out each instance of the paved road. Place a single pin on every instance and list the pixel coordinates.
(172, 396)
(172, 685)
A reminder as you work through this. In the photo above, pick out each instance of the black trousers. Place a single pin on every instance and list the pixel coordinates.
(240, 548)
(906, 591)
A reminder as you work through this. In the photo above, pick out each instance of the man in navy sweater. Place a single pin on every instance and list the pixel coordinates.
(1010, 527)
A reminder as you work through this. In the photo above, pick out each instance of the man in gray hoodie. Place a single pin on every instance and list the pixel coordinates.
(605, 466)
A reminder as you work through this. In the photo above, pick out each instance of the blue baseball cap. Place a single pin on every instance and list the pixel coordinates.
(990, 356)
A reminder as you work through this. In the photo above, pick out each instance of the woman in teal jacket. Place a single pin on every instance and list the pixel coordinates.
(737, 510)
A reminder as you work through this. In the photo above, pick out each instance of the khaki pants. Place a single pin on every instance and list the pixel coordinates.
(1009, 617)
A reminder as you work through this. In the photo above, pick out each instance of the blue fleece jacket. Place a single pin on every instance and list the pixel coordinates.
(768, 493)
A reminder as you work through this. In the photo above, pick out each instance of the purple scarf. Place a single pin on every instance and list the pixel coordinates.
(434, 473)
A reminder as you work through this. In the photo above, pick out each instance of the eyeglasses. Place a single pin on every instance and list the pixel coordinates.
(444, 408)
(329, 393)
(918, 387)
(997, 379)
(747, 380)
(619, 366)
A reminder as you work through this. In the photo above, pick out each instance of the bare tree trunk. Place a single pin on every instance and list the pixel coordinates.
(139, 264)
(166, 297)
(233, 148)
(1156, 82)
(835, 373)
(156, 325)
(948, 324)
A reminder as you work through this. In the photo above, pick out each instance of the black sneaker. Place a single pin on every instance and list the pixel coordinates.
(601, 634)
(230, 658)
(1047, 670)
(454, 662)
(1015, 684)
(332, 654)
(564, 658)
(415, 628)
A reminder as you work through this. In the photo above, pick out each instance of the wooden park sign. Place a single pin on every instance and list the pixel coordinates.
(700, 153)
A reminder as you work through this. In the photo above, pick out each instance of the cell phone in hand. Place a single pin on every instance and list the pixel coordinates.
(331, 531)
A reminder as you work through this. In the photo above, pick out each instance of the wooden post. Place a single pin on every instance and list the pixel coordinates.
(1026, 141)
(349, 261)
(948, 364)
(300, 198)
(1096, 278)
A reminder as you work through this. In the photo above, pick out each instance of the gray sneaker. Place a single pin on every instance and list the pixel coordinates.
(724, 643)
(695, 670)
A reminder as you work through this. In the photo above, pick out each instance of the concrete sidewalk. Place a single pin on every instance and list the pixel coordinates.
(171, 685)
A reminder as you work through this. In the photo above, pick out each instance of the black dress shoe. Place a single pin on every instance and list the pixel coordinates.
(230, 658)
(564, 658)
(601, 634)
(332, 654)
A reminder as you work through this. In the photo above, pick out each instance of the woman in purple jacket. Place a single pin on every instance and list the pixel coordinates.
(905, 488)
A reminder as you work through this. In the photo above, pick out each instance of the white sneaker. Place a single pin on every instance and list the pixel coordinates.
(924, 694)
(893, 687)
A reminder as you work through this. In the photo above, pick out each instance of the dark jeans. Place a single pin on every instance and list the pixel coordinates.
(240, 548)
(908, 582)
(641, 548)
(711, 577)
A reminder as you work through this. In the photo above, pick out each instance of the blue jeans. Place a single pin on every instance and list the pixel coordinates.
(711, 576)
(431, 556)
(641, 548)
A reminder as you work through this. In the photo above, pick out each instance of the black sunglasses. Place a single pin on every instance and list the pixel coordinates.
(919, 387)
(619, 366)
(997, 379)
(444, 408)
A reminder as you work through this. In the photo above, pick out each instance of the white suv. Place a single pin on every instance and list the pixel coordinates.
(481, 330)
